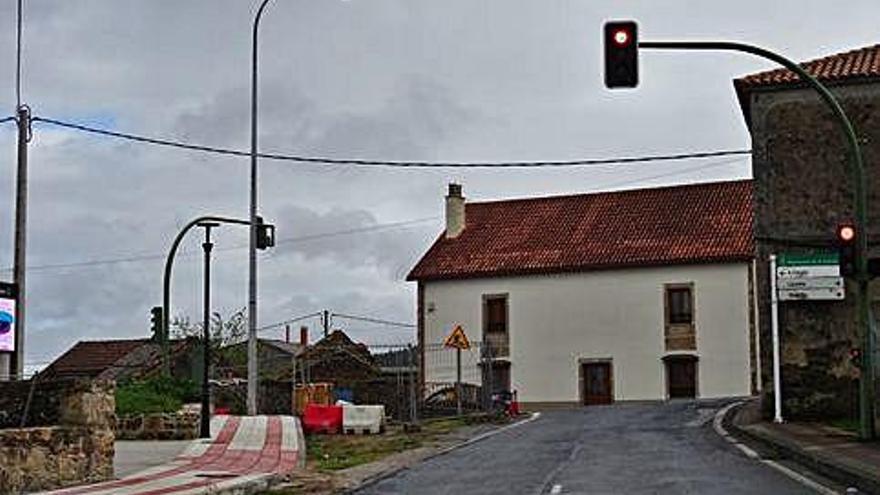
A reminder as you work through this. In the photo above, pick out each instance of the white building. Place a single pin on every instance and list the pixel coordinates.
(594, 298)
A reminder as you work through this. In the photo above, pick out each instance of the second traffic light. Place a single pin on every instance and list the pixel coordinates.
(157, 323)
(265, 234)
(621, 54)
(847, 247)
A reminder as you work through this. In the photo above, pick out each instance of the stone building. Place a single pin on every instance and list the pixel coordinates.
(802, 191)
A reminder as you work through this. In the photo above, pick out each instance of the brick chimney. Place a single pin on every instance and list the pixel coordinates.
(455, 221)
(304, 336)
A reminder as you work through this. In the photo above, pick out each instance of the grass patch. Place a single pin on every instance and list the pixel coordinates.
(335, 452)
(848, 424)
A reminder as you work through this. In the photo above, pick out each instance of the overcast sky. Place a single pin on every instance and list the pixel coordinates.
(383, 79)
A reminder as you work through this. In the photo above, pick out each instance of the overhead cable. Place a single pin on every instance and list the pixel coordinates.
(396, 163)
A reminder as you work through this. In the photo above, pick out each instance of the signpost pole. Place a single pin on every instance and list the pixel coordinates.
(774, 326)
(458, 380)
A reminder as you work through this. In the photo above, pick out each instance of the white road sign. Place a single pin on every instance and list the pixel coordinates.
(810, 283)
(812, 294)
(808, 271)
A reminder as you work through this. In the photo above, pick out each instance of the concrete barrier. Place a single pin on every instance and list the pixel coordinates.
(363, 419)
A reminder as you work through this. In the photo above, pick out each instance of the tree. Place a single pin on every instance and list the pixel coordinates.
(223, 332)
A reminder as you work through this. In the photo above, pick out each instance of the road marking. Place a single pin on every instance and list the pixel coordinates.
(824, 490)
(557, 489)
(718, 426)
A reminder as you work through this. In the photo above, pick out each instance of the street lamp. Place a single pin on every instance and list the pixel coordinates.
(205, 424)
(252, 250)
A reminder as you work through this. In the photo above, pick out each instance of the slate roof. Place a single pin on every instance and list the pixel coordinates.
(701, 223)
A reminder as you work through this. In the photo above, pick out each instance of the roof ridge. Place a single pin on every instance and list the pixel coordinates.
(613, 192)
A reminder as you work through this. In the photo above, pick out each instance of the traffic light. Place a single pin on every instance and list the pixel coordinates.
(847, 248)
(265, 234)
(157, 322)
(855, 357)
(621, 54)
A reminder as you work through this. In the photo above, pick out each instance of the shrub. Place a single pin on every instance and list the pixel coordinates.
(154, 395)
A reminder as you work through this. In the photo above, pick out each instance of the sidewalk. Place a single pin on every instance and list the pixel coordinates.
(832, 452)
(244, 455)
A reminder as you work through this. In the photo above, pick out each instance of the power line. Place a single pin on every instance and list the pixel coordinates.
(6, 119)
(305, 238)
(394, 163)
(289, 321)
(374, 320)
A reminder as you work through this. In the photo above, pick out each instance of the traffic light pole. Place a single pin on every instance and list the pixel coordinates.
(860, 200)
(166, 281)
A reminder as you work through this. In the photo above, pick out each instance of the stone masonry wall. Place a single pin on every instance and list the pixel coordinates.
(158, 426)
(802, 191)
(78, 448)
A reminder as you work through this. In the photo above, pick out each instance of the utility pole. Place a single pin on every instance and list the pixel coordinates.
(16, 367)
(205, 424)
(325, 322)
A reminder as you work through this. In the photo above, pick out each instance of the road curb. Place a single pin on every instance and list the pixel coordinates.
(822, 465)
(372, 480)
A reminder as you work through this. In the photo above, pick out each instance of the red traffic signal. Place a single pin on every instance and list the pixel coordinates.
(621, 54)
(847, 248)
(846, 233)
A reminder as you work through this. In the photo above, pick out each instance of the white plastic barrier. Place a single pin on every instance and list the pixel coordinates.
(363, 419)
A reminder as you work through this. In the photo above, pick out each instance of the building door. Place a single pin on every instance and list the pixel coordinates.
(597, 383)
(681, 377)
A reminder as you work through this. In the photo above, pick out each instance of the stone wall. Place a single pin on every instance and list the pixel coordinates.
(46, 457)
(802, 191)
(158, 426)
(69, 439)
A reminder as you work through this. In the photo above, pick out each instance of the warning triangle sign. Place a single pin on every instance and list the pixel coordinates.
(457, 339)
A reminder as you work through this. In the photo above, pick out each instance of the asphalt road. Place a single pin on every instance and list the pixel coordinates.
(619, 449)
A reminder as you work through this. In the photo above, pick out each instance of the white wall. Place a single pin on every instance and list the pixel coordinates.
(556, 320)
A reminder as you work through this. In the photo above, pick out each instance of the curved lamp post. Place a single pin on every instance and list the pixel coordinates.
(206, 222)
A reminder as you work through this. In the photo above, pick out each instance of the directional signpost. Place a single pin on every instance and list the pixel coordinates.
(800, 277)
(810, 277)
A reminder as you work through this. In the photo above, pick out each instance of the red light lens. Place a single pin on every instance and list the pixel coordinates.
(622, 37)
(846, 233)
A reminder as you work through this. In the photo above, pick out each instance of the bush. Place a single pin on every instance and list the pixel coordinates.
(154, 395)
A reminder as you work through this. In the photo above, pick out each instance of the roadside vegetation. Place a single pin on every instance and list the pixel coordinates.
(154, 395)
(335, 452)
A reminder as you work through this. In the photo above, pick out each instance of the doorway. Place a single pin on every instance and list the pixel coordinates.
(596, 383)
(681, 377)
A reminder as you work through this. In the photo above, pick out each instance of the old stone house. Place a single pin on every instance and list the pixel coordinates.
(275, 358)
(802, 191)
(592, 298)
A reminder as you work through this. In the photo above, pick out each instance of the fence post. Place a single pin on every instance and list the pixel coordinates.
(413, 402)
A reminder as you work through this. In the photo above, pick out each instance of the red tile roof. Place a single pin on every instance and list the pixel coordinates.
(853, 66)
(700, 223)
(90, 358)
(863, 63)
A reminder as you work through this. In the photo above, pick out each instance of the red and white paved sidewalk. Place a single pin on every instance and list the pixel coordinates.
(242, 451)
